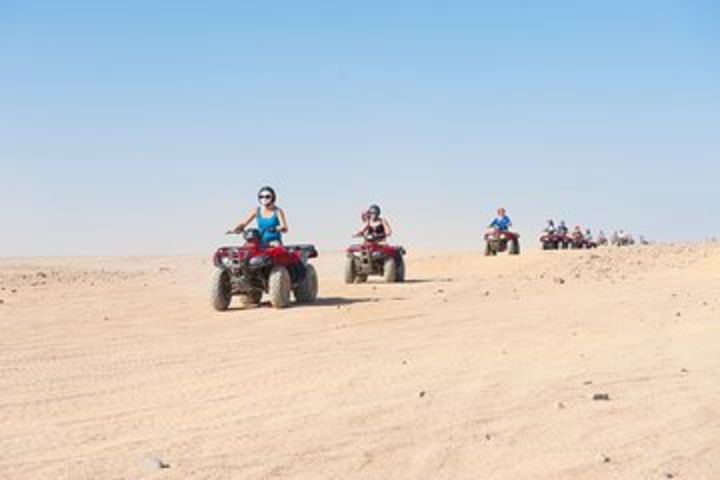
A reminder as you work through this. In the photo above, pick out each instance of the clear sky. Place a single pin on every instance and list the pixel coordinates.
(148, 126)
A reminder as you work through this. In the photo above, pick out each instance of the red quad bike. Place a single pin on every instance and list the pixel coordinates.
(579, 242)
(253, 269)
(555, 241)
(374, 258)
(498, 241)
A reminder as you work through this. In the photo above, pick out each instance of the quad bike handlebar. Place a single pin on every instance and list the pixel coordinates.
(240, 231)
(369, 237)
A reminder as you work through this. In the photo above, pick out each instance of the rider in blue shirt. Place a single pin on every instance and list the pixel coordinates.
(270, 218)
(502, 222)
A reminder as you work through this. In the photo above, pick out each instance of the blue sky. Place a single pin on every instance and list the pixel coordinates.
(147, 127)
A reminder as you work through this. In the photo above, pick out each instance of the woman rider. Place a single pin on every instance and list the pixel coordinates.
(375, 229)
(270, 218)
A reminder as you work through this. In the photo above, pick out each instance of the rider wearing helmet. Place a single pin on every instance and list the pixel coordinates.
(502, 222)
(550, 227)
(375, 228)
(270, 218)
(562, 228)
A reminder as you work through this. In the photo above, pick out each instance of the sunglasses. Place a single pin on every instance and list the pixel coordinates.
(265, 197)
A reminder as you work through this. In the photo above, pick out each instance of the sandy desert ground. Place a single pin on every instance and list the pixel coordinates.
(478, 368)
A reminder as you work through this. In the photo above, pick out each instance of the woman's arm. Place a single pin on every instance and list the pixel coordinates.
(386, 225)
(283, 228)
(241, 226)
(362, 231)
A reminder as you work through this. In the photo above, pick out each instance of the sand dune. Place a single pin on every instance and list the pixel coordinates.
(478, 368)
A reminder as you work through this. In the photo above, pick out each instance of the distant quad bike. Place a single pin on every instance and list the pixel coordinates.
(621, 239)
(498, 241)
(578, 241)
(250, 270)
(374, 258)
(555, 241)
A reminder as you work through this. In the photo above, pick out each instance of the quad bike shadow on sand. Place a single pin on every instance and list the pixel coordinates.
(253, 269)
(374, 258)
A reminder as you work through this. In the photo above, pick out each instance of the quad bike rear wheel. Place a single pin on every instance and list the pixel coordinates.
(400, 270)
(514, 247)
(350, 274)
(279, 287)
(220, 290)
(306, 291)
(390, 270)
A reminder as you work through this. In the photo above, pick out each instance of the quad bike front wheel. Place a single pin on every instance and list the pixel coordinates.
(279, 285)
(490, 249)
(390, 270)
(307, 290)
(220, 290)
(350, 274)
(514, 247)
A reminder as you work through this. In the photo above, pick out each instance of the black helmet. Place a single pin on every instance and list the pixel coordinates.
(252, 235)
(374, 210)
(270, 190)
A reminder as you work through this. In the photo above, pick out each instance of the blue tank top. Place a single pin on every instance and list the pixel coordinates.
(268, 226)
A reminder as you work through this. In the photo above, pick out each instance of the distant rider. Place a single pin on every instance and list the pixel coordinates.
(270, 218)
(375, 228)
(550, 229)
(601, 238)
(501, 222)
(562, 228)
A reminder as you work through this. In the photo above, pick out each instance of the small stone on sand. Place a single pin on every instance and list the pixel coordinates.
(155, 463)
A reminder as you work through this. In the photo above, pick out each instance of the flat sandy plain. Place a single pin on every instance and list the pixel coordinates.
(477, 368)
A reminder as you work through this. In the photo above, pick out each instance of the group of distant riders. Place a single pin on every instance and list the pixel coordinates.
(581, 238)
